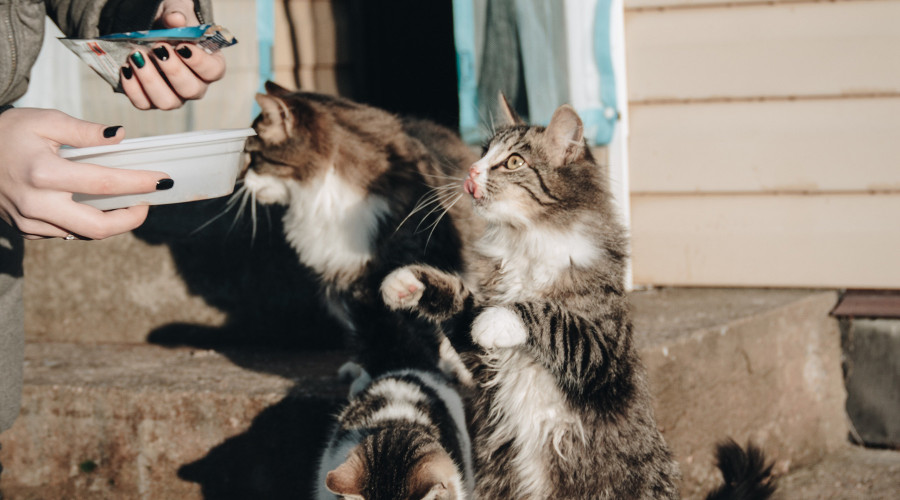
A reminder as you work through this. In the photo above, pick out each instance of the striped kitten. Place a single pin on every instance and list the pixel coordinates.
(402, 437)
(565, 411)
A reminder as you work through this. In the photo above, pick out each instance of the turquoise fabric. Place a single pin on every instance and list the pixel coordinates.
(542, 46)
(466, 76)
(604, 119)
(265, 36)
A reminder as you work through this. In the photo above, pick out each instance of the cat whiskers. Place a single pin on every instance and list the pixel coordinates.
(232, 202)
(436, 196)
(440, 200)
(239, 198)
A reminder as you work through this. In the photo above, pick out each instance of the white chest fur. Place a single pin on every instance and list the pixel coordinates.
(331, 224)
(532, 259)
(531, 411)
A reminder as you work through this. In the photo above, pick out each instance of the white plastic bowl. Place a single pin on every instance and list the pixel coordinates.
(204, 164)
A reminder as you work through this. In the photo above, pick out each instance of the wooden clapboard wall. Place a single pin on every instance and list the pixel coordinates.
(765, 142)
(313, 45)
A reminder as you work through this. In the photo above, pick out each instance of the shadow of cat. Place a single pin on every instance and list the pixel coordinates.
(252, 275)
(275, 458)
(273, 316)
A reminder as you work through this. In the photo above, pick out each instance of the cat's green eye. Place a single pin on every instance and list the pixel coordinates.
(514, 162)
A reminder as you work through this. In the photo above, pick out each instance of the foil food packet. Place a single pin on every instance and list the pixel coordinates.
(107, 54)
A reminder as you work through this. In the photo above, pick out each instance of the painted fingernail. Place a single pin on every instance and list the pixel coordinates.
(110, 132)
(126, 72)
(163, 184)
(184, 51)
(138, 59)
(161, 53)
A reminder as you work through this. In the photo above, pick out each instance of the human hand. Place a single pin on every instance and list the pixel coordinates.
(166, 76)
(36, 185)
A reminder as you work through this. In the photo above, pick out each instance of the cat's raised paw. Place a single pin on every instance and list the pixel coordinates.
(498, 327)
(401, 289)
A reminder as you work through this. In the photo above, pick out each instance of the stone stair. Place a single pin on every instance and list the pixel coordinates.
(136, 420)
(177, 363)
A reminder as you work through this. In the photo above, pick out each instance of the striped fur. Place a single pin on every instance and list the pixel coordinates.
(542, 316)
(403, 437)
(349, 176)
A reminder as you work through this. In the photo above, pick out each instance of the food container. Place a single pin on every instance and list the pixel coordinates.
(204, 164)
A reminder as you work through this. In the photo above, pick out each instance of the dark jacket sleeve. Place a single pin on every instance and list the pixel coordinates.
(119, 16)
(92, 18)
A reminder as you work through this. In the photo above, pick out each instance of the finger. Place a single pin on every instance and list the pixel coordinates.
(67, 130)
(58, 174)
(132, 89)
(181, 78)
(155, 86)
(209, 67)
(33, 229)
(175, 19)
(88, 222)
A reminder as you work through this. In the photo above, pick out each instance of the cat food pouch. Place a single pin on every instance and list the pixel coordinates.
(107, 54)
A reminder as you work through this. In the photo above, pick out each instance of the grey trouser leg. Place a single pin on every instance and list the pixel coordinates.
(12, 324)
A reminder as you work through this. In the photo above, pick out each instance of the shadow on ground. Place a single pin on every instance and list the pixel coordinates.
(249, 273)
(272, 306)
(276, 458)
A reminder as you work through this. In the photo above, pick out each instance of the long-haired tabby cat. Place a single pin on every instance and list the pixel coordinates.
(565, 411)
(403, 437)
(350, 176)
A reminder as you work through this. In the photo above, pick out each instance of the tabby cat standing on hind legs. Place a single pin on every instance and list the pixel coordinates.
(565, 411)
(541, 315)
(350, 175)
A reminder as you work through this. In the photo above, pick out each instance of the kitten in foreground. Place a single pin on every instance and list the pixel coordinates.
(403, 437)
(366, 192)
(541, 317)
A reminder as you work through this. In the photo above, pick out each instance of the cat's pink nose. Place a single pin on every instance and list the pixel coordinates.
(470, 186)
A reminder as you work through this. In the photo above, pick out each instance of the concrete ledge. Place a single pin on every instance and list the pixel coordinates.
(127, 421)
(745, 364)
(143, 421)
(850, 473)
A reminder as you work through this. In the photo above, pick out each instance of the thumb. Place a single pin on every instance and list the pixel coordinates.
(174, 19)
(70, 131)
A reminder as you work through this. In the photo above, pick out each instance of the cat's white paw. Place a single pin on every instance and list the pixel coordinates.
(401, 289)
(498, 327)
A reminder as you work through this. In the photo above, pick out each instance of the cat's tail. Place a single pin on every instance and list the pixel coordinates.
(747, 474)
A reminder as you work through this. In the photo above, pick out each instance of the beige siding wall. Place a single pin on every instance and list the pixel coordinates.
(764, 143)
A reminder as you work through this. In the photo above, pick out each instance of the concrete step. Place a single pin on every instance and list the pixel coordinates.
(850, 473)
(144, 421)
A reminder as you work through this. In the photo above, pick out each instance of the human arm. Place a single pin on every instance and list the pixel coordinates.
(36, 185)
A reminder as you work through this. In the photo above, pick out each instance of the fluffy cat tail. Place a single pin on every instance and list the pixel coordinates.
(747, 474)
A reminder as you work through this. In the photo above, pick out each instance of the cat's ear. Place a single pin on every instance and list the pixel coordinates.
(274, 89)
(348, 479)
(565, 134)
(432, 477)
(278, 121)
(508, 115)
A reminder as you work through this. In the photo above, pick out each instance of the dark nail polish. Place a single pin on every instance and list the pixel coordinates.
(161, 53)
(126, 72)
(184, 51)
(164, 184)
(138, 59)
(110, 132)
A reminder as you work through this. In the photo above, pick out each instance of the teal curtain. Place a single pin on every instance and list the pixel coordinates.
(523, 48)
